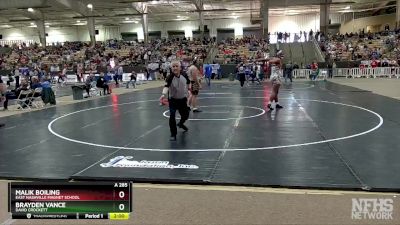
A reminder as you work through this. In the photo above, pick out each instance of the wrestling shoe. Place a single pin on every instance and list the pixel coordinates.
(270, 107)
(279, 106)
(196, 110)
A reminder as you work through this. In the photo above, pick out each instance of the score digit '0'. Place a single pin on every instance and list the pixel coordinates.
(121, 194)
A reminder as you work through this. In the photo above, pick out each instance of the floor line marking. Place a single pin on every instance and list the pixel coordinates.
(102, 159)
(105, 157)
(332, 148)
(228, 141)
(236, 149)
(215, 112)
(9, 128)
(31, 145)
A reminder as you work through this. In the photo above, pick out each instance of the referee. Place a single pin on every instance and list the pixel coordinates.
(176, 87)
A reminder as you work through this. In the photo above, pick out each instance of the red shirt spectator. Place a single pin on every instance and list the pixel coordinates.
(374, 64)
(229, 51)
(179, 53)
(314, 66)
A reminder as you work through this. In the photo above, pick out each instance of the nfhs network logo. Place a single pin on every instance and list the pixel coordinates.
(372, 208)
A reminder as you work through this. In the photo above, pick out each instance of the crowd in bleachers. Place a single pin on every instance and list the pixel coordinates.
(382, 47)
(235, 51)
(101, 55)
(33, 65)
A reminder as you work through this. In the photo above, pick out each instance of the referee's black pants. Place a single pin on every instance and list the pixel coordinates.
(181, 106)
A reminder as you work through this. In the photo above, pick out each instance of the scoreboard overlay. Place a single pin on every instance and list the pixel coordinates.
(72, 200)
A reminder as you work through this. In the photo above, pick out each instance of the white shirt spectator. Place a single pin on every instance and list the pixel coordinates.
(64, 72)
(215, 68)
(16, 72)
(120, 70)
(54, 68)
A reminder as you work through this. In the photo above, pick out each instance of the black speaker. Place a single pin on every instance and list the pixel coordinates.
(47, 34)
(205, 27)
(96, 32)
(1, 36)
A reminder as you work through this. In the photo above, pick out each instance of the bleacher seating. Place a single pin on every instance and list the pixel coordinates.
(354, 47)
(234, 51)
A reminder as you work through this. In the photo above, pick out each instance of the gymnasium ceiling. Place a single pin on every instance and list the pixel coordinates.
(65, 13)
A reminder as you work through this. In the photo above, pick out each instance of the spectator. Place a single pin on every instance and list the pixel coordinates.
(208, 73)
(288, 71)
(330, 69)
(314, 70)
(14, 94)
(101, 83)
(88, 83)
(132, 80)
(374, 63)
(16, 75)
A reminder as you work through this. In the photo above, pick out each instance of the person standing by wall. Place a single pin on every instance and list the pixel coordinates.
(314, 70)
(288, 72)
(132, 80)
(255, 73)
(330, 68)
(16, 76)
(208, 73)
(241, 74)
(120, 72)
(176, 88)
(219, 72)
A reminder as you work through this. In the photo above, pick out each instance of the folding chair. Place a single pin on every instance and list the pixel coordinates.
(37, 101)
(94, 91)
(24, 99)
